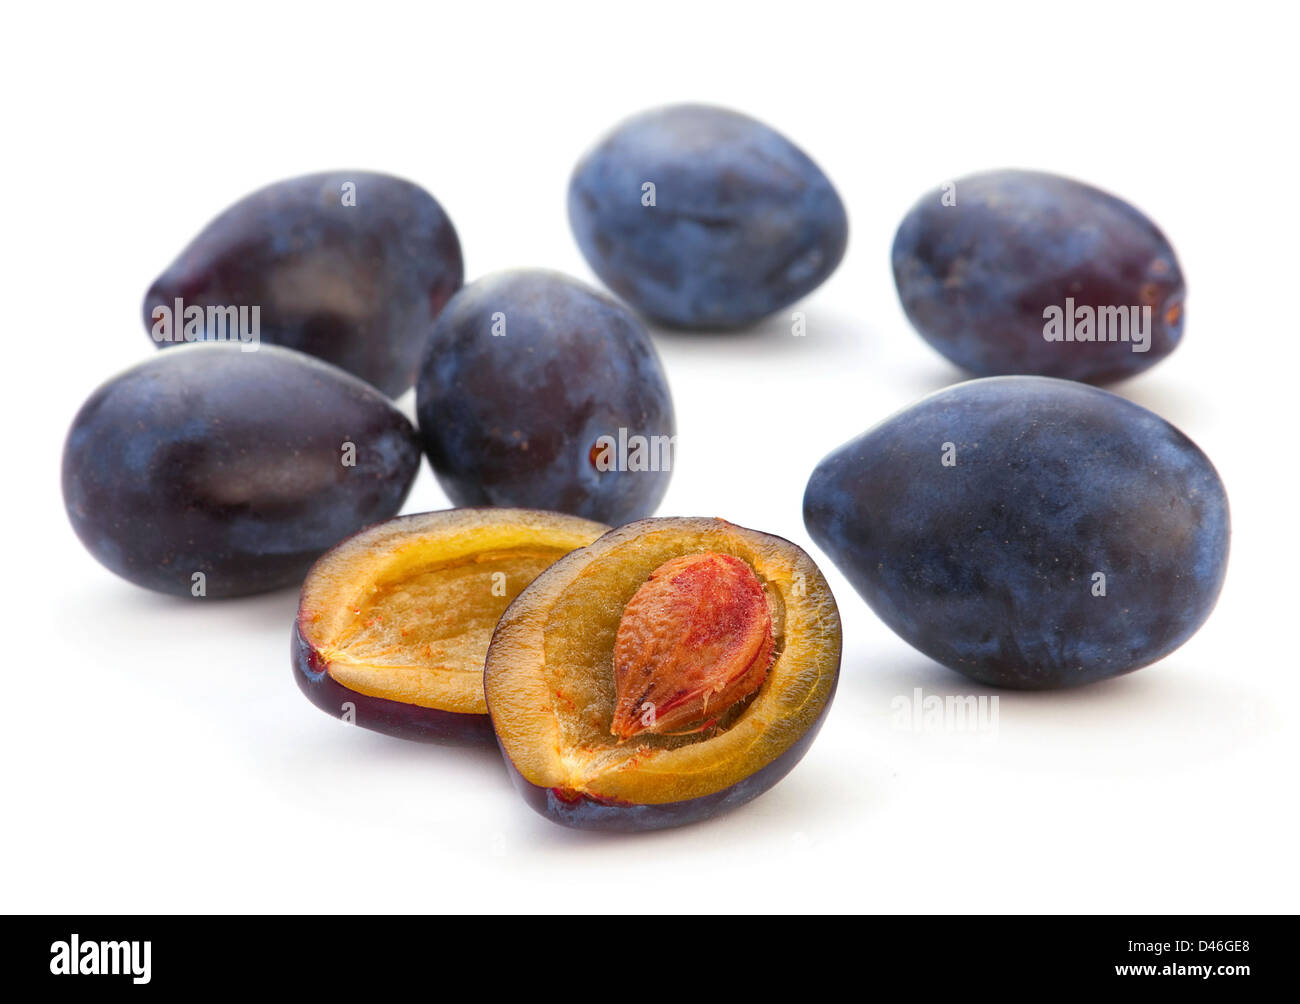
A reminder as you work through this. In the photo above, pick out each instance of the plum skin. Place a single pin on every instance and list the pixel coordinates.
(974, 278)
(392, 718)
(744, 223)
(356, 285)
(512, 420)
(987, 567)
(209, 459)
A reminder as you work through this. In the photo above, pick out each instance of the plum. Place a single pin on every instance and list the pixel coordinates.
(701, 217)
(1022, 272)
(669, 671)
(1027, 531)
(540, 393)
(393, 624)
(348, 266)
(209, 471)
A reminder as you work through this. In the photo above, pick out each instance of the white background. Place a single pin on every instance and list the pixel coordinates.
(156, 753)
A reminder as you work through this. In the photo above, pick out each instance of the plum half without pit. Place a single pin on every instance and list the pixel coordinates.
(672, 670)
(393, 624)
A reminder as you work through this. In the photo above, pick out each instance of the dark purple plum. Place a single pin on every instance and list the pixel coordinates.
(739, 223)
(1021, 272)
(349, 266)
(211, 471)
(1026, 531)
(540, 393)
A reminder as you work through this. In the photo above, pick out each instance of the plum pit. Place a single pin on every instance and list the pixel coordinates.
(695, 638)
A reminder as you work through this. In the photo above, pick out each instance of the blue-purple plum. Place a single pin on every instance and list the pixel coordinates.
(701, 217)
(1026, 531)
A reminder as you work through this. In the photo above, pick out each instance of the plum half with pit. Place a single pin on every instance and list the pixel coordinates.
(671, 670)
(394, 623)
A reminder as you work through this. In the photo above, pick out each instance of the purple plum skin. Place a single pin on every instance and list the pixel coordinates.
(393, 718)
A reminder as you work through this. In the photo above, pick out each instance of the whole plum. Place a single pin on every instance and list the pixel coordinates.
(349, 266)
(540, 393)
(209, 471)
(1026, 531)
(702, 217)
(1024, 272)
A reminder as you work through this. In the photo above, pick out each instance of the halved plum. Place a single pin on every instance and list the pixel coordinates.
(662, 608)
(393, 624)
